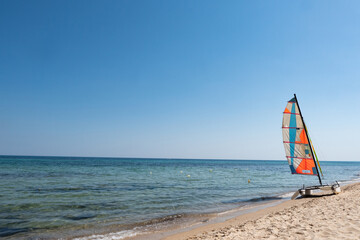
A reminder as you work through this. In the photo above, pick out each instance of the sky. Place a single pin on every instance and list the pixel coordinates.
(177, 79)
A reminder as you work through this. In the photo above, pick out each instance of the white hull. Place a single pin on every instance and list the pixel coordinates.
(309, 191)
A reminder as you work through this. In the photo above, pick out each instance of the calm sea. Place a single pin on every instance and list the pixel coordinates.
(66, 197)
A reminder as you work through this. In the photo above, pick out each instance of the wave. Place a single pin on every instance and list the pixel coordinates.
(6, 232)
(80, 217)
(252, 200)
(111, 236)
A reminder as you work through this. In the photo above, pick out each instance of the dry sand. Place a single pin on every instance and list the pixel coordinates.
(326, 217)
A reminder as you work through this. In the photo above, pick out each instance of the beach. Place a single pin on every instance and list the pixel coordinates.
(325, 216)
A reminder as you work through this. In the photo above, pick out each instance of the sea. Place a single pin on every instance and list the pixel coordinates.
(113, 198)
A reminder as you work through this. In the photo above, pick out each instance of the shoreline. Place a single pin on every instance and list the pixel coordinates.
(198, 225)
(268, 220)
(218, 225)
(226, 224)
(318, 217)
(173, 224)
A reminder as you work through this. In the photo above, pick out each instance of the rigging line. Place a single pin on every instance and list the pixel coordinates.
(317, 160)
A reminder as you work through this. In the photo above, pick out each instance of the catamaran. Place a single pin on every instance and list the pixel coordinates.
(299, 150)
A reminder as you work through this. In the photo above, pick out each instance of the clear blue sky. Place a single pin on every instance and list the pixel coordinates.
(177, 79)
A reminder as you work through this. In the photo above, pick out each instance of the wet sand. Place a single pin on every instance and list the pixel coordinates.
(323, 217)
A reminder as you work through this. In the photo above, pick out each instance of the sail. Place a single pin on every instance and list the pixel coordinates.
(296, 142)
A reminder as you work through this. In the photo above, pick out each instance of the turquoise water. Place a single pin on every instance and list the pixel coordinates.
(54, 197)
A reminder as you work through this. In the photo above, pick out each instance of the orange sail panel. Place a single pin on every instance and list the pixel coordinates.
(296, 143)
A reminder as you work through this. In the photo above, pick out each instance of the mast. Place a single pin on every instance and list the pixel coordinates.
(312, 153)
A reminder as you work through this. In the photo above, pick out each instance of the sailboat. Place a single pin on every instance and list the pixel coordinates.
(299, 150)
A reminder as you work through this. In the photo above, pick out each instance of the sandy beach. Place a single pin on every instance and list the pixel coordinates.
(324, 217)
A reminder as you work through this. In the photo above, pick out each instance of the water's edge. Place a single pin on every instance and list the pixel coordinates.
(186, 222)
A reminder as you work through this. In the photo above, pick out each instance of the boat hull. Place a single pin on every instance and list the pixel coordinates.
(309, 191)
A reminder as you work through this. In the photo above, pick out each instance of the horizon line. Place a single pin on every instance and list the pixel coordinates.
(164, 158)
